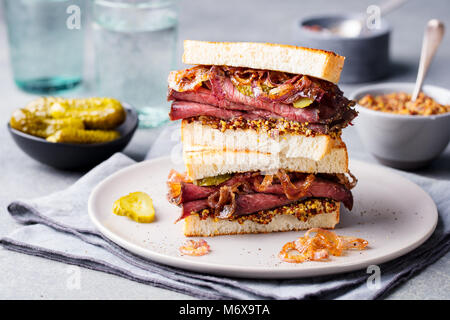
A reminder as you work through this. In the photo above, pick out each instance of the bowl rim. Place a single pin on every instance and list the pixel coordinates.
(385, 29)
(127, 107)
(391, 86)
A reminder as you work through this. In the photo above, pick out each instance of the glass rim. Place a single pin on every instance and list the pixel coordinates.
(124, 4)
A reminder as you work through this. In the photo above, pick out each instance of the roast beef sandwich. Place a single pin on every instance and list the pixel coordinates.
(261, 133)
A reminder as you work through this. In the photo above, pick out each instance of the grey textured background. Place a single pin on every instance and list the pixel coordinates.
(24, 277)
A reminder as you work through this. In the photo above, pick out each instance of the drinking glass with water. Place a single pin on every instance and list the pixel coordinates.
(46, 43)
(135, 44)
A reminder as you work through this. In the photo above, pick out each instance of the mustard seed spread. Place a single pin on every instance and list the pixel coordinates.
(273, 127)
(302, 210)
(400, 103)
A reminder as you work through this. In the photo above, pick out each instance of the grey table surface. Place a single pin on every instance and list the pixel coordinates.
(27, 277)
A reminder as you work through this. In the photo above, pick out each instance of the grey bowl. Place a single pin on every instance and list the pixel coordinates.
(367, 56)
(76, 156)
(403, 141)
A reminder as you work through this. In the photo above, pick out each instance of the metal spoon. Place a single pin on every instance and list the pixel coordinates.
(434, 32)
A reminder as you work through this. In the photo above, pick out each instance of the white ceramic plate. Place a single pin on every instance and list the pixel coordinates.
(392, 213)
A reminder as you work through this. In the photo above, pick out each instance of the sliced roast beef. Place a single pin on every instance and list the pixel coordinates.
(190, 192)
(270, 110)
(206, 96)
(191, 207)
(251, 203)
(224, 90)
(219, 89)
(245, 204)
(228, 97)
(319, 188)
(184, 109)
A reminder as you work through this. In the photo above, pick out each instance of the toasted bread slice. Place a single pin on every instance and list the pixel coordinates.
(196, 227)
(207, 162)
(197, 136)
(317, 63)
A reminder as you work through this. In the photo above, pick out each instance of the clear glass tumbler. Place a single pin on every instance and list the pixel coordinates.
(46, 43)
(135, 44)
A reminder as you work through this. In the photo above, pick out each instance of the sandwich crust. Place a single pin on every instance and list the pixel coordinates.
(204, 161)
(317, 63)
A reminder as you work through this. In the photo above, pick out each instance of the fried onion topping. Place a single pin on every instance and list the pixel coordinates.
(291, 191)
(195, 248)
(174, 185)
(188, 79)
(319, 247)
(272, 85)
(350, 183)
(223, 201)
(267, 181)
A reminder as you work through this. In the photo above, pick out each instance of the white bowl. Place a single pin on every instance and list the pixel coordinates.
(403, 141)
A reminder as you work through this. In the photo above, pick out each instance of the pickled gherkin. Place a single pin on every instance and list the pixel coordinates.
(245, 90)
(40, 106)
(37, 125)
(72, 135)
(137, 206)
(86, 120)
(96, 113)
(212, 181)
(303, 103)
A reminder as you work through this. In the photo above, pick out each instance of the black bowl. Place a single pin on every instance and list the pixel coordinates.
(76, 156)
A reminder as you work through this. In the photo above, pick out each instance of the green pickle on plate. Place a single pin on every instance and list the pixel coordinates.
(137, 206)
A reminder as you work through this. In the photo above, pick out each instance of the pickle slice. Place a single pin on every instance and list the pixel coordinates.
(137, 206)
(245, 89)
(303, 103)
(212, 181)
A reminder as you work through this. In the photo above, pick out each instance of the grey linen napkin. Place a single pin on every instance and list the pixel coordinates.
(57, 227)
